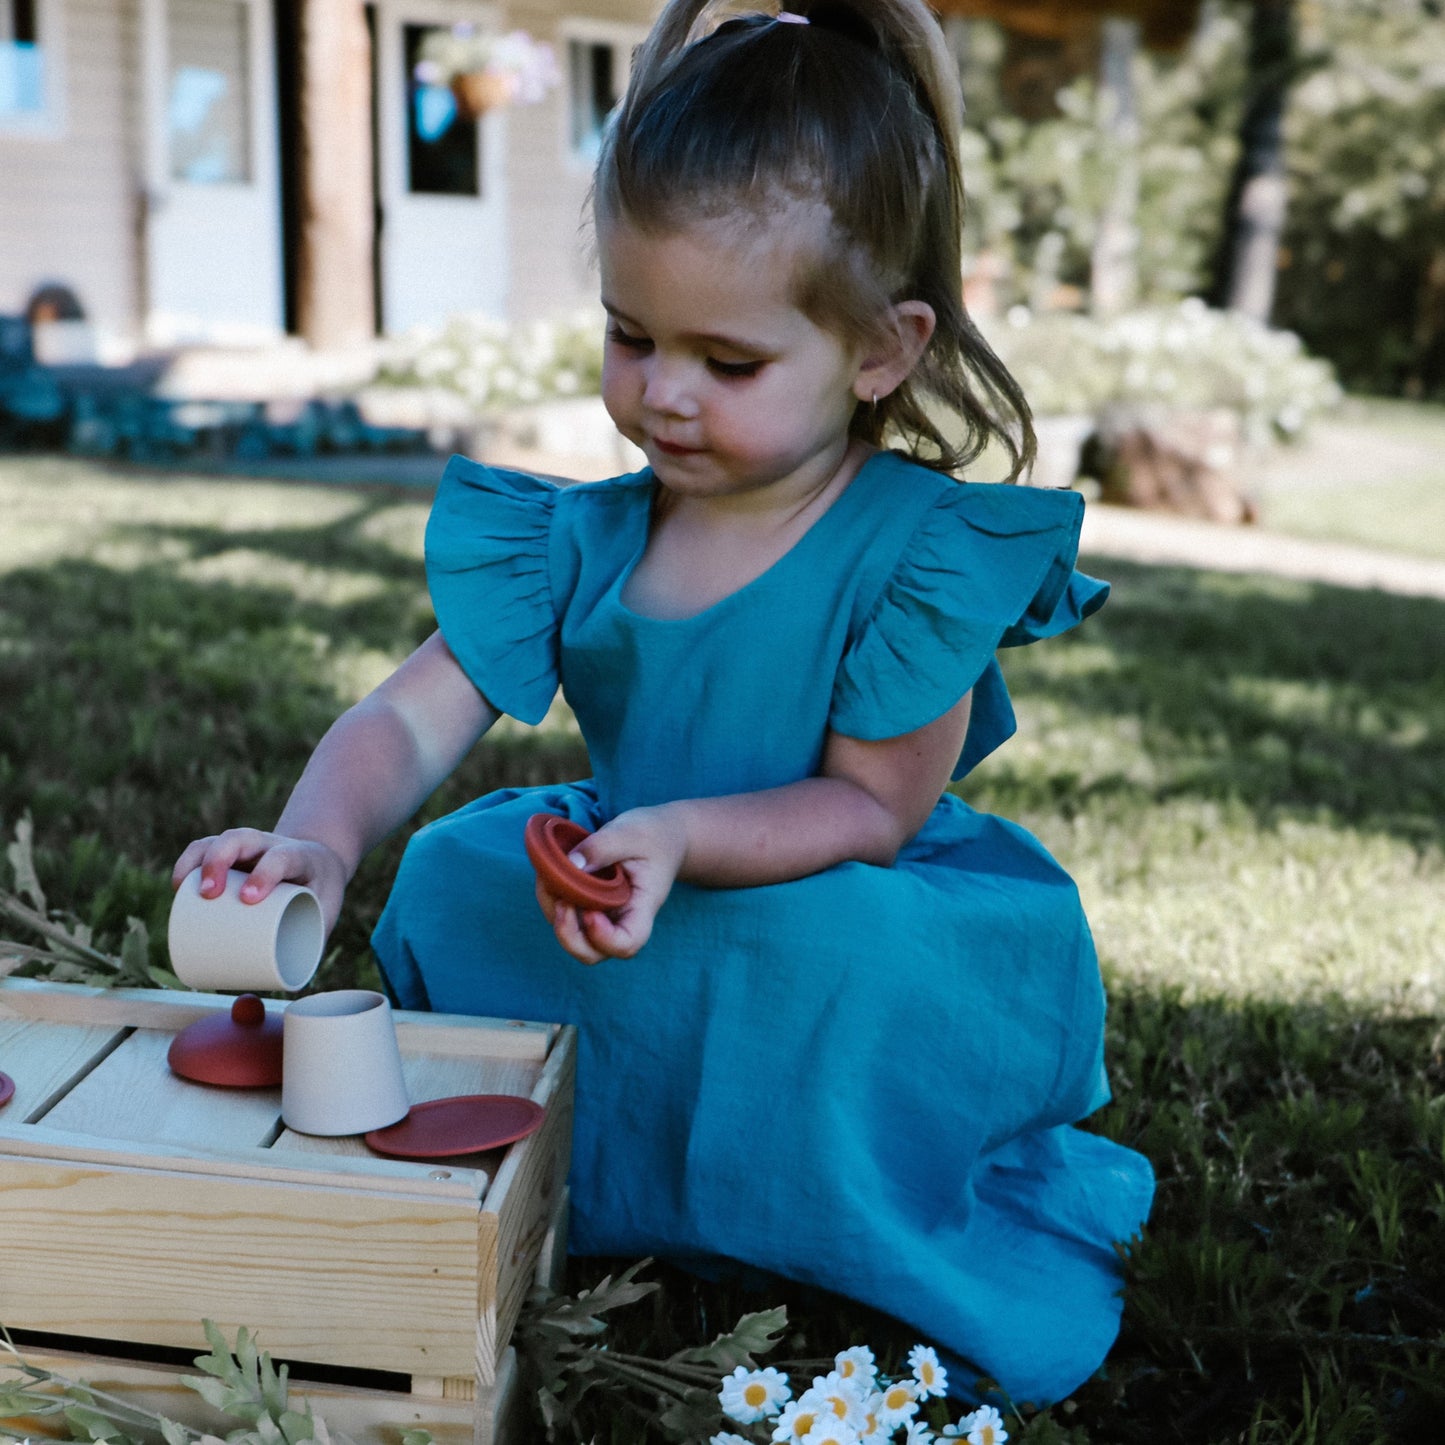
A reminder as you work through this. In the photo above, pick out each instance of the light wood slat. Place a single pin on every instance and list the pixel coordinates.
(336, 1276)
(372, 1174)
(170, 1010)
(45, 1060)
(517, 1212)
(433, 1078)
(132, 1097)
(369, 1417)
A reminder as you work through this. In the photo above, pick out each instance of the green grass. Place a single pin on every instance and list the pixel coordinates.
(1373, 474)
(1246, 776)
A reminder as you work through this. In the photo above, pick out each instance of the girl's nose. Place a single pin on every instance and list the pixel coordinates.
(669, 389)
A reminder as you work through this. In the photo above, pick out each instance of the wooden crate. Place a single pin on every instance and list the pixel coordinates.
(367, 1416)
(133, 1204)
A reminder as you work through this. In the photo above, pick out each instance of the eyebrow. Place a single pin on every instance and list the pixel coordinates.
(711, 338)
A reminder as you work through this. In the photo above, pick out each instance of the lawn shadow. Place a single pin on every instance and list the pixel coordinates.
(1293, 1244)
(1293, 698)
(144, 708)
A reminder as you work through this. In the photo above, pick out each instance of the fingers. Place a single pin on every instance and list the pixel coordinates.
(216, 856)
(273, 860)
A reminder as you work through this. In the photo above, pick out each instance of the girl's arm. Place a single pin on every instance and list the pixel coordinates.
(868, 800)
(375, 766)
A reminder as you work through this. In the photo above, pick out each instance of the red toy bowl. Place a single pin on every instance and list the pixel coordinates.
(7, 1088)
(236, 1050)
(549, 839)
(465, 1124)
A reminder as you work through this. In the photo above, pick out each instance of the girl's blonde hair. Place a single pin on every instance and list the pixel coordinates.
(859, 109)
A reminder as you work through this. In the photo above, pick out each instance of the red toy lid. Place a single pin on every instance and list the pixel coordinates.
(240, 1049)
(7, 1088)
(465, 1124)
(548, 840)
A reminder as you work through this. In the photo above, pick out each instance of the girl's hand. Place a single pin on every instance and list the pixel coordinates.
(649, 844)
(274, 859)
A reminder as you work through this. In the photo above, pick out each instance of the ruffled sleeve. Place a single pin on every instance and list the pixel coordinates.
(487, 568)
(985, 567)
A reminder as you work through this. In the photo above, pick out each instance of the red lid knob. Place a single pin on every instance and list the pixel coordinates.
(249, 1011)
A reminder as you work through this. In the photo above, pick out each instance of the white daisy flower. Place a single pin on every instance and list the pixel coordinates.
(726, 1437)
(838, 1398)
(918, 1434)
(751, 1395)
(828, 1431)
(931, 1376)
(857, 1365)
(896, 1405)
(796, 1420)
(984, 1426)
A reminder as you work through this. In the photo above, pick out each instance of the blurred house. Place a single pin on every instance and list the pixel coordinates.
(231, 170)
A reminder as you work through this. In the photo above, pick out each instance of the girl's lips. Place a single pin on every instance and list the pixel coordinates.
(671, 449)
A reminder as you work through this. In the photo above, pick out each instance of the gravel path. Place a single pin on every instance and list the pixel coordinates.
(1152, 537)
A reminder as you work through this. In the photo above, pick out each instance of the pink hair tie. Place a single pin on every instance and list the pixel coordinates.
(786, 17)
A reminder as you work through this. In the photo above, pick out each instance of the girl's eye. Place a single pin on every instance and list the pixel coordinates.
(735, 368)
(620, 337)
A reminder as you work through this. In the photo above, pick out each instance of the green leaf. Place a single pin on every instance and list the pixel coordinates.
(416, 1437)
(135, 952)
(174, 1434)
(296, 1426)
(754, 1334)
(695, 1417)
(22, 865)
(87, 1423)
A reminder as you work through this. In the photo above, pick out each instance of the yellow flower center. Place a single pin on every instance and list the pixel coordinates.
(871, 1423)
(802, 1424)
(755, 1394)
(897, 1397)
(839, 1406)
(989, 1438)
(925, 1373)
(846, 1369)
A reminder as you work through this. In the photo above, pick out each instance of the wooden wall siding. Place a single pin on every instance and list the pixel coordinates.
(550, 268)
(70, 210)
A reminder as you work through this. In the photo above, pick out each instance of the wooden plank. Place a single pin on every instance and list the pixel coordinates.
(46, 1060)
(387, 1176)
(552, 1257)
(132, 1097)
(369, 1417)
(521, 1203)
(342, 1277)
(170, 1010)
(428, 1077)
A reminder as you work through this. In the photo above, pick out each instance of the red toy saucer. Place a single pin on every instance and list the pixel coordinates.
(548, 840)
(7, 1088)
(239, 1049)
(465, 1124)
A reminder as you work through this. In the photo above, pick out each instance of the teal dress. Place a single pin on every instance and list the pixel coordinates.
(864, 1079)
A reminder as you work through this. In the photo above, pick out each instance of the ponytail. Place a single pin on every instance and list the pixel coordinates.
(861, 110)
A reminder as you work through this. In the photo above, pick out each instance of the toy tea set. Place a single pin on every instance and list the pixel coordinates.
(335, 1054)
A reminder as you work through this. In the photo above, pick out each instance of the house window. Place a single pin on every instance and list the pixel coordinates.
(24, 83)
(442, 155)
(594, 75)
(599, 61)
(208, 112)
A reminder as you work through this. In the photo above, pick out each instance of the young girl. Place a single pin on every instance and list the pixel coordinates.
(844, 1024)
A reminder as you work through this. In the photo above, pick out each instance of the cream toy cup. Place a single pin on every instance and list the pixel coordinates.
(341, 1068)
(222, 943)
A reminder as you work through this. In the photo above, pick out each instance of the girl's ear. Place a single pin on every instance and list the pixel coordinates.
(906, 331)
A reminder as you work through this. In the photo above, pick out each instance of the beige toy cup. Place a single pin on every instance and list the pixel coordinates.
(222, 943)
(341, 1068)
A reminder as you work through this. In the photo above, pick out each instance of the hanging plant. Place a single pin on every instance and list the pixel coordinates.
(486, 71)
